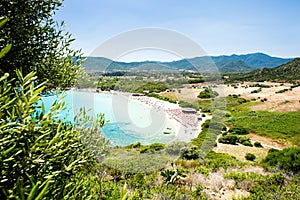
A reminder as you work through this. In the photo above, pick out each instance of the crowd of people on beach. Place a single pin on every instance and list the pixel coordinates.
(189, 121)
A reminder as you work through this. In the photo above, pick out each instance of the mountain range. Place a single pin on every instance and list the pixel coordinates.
(205, 64)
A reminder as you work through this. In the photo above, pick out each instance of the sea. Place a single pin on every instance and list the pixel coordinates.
(128, 121)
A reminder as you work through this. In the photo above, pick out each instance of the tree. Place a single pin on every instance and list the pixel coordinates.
(38, 43)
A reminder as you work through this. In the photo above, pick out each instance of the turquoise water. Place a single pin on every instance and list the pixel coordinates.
(129, 121)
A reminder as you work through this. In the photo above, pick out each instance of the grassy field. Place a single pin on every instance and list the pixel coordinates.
(282, 126)
(275, 125)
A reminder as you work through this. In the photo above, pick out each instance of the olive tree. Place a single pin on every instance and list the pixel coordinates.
(38, 43)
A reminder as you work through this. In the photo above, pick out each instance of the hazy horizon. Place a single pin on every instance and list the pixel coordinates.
(167, 58)
(219, 27)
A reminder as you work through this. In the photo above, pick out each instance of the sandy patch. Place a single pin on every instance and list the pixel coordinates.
(280, 102)
(239, 151)
(269, 142)
(185, 126)
(183, 94)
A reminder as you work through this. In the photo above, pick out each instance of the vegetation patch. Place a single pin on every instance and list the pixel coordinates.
(260, 85)
(272, 186)
(287, 159)
(250, 157)
(215, 161)
(208, 93)
(270, 124)
(256, 91)
(282, 91)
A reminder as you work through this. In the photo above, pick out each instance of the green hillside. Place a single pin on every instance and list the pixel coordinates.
(286, 72)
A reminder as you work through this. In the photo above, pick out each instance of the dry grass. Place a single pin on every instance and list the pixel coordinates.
(185, 94)
(239, 151)
(283, 102)
(216, 186)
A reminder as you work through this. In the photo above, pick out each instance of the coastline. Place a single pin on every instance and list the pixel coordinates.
(185, 126)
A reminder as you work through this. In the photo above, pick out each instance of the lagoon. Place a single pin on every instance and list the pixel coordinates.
(129, 121)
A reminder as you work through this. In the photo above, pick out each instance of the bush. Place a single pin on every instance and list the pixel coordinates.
(239, 131)
(216, 160)
(41, 156)
(286, 159)
(174, 148)
(153, 148)
(250, 156)
(281, 91)
(258, 144)
(247, 143)
(256, 91)
(208, 93)
(133, 146)
(242, 139)
(228, 139)
(190, 153)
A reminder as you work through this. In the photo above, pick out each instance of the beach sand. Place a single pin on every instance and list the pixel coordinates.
(184, 126)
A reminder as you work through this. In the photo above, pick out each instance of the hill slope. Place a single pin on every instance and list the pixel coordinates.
(255, 60)
(286, 72)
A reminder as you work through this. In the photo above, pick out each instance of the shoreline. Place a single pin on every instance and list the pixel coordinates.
(185, 126)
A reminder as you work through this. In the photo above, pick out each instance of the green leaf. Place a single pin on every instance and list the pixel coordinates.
(3, 20)
(5, 50)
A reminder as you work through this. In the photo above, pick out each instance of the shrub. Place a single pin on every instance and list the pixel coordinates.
(255, 183)
(208, 93)
(135, 145)
(225, 133)
(250, 156)
(256, 91)
(228, 139)
(258, 144)
(286, 159)
(281, 91)
(174, 148)
(190, 153)
(206, 124)
(41, 156)
(247, 143)
(242, 139)
(203, 170)
(216, 160)
(153, 147)
(239, 131)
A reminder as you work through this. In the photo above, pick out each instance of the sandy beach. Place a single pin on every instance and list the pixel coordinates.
(185, 126)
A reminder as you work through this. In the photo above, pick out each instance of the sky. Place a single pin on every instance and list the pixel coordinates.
(219, 27)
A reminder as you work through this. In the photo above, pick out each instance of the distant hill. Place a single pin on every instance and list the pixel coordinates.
(205, 64)
(287, 72)
(255, 60)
